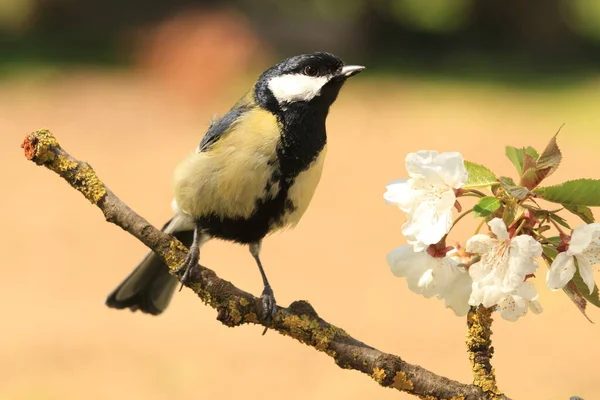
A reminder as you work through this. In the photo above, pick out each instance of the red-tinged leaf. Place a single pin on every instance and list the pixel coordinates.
(593, 297)
(577, 298)
(529, 179)
(549, 159)
(518, 192)
(528, 162)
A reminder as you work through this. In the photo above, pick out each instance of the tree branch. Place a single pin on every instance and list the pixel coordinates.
(479, 344)
(235, 306)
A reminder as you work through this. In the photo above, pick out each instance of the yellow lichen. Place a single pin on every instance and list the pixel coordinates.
(45, 138)
(401, 382)
(251, 317)
(234, 313)
(378, 374)
(173, 256)
(43, 142)
(89, 184)
(243, 302)
(307, 330)
(478, 337)
(63, 164)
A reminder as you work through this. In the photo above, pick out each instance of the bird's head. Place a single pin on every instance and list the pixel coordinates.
(314, 79)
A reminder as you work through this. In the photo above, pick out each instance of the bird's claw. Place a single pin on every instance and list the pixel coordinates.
(269, 306)
(186, 268)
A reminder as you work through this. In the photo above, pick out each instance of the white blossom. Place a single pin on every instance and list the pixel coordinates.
(516, 304)
(425, 275)
(428, 196)
(504, 264)
(584, 247)
(459, 288)
(433, 276)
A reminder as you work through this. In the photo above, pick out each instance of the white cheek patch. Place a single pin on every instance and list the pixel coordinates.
(296, 87)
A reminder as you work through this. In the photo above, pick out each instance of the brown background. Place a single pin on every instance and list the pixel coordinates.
(59, 341)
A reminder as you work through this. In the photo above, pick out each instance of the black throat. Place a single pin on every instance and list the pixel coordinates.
(303, 134)
(303, 137)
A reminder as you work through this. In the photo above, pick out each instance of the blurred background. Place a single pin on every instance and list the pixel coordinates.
(130, 86)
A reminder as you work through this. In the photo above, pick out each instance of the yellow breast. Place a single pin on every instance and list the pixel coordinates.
(231, 176)
(302, 190)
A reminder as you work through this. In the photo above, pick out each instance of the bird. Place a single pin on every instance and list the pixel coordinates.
(254, 173)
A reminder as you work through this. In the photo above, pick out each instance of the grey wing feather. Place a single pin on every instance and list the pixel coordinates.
(220, 126)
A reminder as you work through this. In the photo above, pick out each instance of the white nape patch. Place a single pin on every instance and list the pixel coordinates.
(296, 87)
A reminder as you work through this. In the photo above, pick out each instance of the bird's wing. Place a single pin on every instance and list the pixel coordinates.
(220, 127)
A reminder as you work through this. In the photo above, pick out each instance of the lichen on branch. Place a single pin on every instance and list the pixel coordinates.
(235, 306)
(479, 344)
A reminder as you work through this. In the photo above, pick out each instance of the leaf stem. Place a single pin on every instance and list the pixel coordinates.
(477, 192)
(520, 227)
(461, 216)
(558, 228)
(479, 226)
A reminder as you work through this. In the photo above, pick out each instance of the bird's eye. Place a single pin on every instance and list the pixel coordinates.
(310, 70)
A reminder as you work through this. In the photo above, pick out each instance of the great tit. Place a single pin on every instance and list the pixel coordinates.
(253, 173)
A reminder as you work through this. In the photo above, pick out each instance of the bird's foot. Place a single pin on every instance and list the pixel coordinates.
(269, 306)
(191, 262)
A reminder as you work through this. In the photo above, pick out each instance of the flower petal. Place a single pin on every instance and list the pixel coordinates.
(416, 163)
(586, 271)
(535, 307)
(498, 227)
(425, 275)
(446, 169)
(527, 291)
(520, 262)
(479, 271)
(458, 291)
(492, 295)
(426, 279)
(561, 271)
(582, 236)
(399, 192)
(480, 244)
(453, 170)
(401, 260)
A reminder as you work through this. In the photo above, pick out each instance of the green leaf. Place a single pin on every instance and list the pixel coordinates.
(580, 192)
(582, 212)
(555, 240)
(532, 153)
(479, 176)
(584, 290)
(511, 213)
(559, 220)
(518, 192)
(516, 157)
(549, 160)
(550, 251)
(486, 206)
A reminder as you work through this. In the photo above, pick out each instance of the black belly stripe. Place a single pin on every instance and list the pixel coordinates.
(301, 143)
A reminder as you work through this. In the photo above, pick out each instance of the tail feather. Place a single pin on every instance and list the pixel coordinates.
(150, 286)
